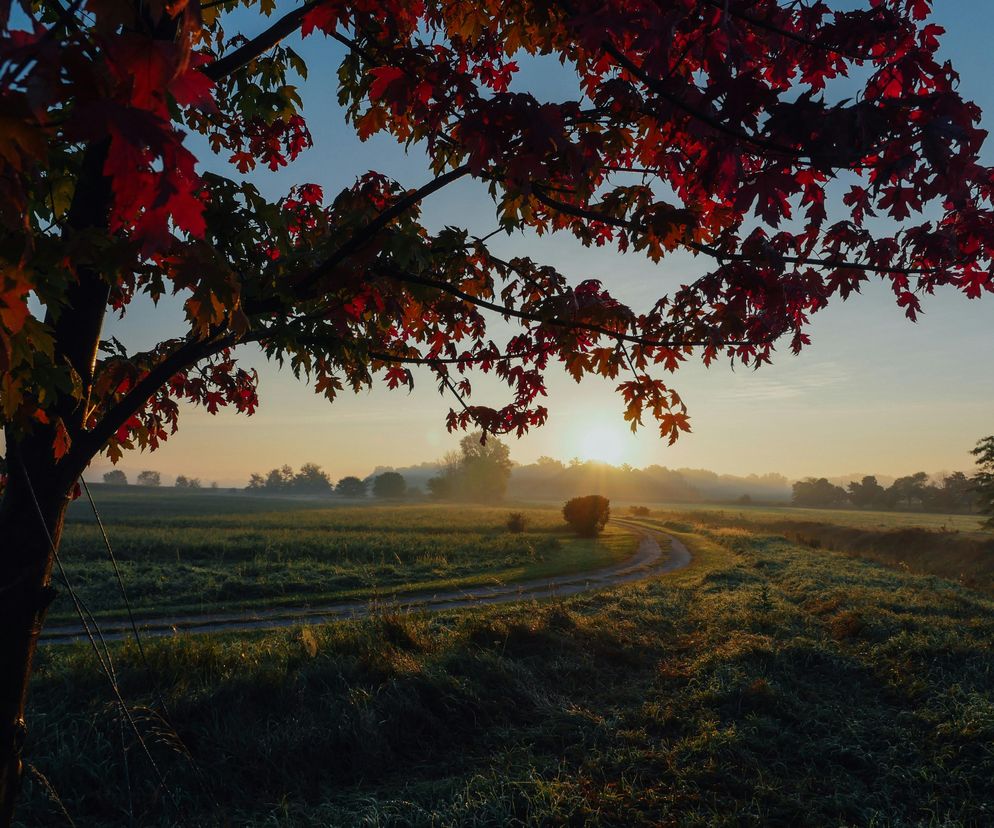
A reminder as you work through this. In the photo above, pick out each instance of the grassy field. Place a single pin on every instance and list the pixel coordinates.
(767, 684)
(855, 518)
(198, 552)
(927, 544)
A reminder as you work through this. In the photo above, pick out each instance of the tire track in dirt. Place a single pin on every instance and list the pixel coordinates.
(647, 562)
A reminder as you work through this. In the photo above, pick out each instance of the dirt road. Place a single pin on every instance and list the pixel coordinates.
(647, 561)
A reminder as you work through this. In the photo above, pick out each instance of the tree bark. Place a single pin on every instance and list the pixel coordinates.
(26, 558)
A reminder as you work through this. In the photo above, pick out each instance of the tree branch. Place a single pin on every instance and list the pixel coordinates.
(258, 45)
(797, 37)
(89, 443)
(712, 121)
(593, 215)
(358, 239)
(619, 336)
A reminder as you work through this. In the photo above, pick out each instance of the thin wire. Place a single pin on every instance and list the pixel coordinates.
(108, 665)
(124, 592)
(166, 715)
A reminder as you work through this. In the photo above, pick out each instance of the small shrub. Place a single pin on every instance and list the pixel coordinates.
(516, 523)
(639, 511)
(587, 515)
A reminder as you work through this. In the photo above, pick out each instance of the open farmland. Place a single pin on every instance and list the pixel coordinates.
(950, 546)
(855, 518)
(204, 552)
(766, 684)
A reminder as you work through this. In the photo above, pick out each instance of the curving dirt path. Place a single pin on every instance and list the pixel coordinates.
(647, 561)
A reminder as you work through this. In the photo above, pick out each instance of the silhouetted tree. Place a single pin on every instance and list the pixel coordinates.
(479, 472)
(983, 480)
(184, 482)
(868, 493)
(310, 480)
(149, 478)
(909, 490)
(389, 484)
(115, 477)
(956, 494)
(351, 487)
(818, 493)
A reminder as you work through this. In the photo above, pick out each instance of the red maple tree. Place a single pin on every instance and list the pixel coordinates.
(699, 125)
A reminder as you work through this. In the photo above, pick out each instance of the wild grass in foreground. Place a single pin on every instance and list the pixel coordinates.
(179, 557)
(768, 684)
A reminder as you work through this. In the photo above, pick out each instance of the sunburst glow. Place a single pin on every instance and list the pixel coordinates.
(601, 442)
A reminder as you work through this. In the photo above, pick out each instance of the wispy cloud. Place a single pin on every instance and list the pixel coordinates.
(789, 384)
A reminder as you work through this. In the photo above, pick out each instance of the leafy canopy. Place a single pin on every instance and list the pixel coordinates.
(710, 126)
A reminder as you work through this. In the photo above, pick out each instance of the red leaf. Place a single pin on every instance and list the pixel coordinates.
(383, 77)
(62, 442)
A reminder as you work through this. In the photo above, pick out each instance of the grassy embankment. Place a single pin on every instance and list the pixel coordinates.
(210, 552)
(950, 546)
(767, 684)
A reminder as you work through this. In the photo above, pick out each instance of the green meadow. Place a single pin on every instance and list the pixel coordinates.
(208, 552)
(769, 683)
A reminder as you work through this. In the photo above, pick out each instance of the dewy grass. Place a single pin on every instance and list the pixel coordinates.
(177, 561)
(763, 685)
(927, 547)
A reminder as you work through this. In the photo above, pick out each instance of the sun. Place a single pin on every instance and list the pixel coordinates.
(602, 443)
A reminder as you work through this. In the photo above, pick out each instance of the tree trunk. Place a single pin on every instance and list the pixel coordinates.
(25, 571)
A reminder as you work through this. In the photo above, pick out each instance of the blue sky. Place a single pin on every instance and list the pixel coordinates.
(874, 393)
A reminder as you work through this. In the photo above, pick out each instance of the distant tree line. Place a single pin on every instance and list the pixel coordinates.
(917, 492)
(311, 479)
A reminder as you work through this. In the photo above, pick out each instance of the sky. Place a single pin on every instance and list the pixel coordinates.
(874, 393)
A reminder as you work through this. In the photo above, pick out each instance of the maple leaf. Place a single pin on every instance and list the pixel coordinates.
(62, 443)
(383, 78)
(325, 16)
(193, 88)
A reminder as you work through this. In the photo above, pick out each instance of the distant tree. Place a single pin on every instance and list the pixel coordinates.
(256, 482)
(149, 478)
(115, 477)
(745, 499)
(956, 493)
(351, 487)
(909, 491)
(867, 493)
(279, 479)
(516, 523)
(983, 480)
(639, 511)
(479, 472)
(544, 462)
(587, 515)
(389, 484)
(184, 482)
(213, 485)
(441, 487)
(818, 493)
(310, 480)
